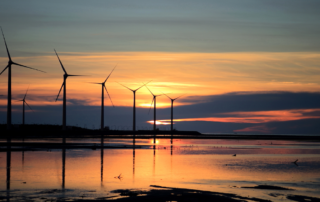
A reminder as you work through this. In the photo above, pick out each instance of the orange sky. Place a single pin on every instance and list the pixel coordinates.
(193, 74)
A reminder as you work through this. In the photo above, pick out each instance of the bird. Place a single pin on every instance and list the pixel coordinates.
(234, 154)
(119, 176)
(295, 162)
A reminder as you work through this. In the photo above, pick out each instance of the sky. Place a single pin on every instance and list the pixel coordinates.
(240, 66)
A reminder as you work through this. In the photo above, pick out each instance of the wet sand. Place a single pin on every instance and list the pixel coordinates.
(155, 193)
(241, 189)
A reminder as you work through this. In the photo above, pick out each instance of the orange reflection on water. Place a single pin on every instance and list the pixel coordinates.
(201, 164)
(156, 141)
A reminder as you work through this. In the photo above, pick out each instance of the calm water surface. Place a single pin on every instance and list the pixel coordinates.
(194, 164)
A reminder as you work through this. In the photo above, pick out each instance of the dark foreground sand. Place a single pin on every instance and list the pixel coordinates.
(157, 194)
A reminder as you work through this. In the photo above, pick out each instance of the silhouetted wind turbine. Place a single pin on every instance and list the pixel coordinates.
(134, 103)
(23, 106)
(172, 100)
(154, 107)
(10, 63)
(102, 98)
(65, 76)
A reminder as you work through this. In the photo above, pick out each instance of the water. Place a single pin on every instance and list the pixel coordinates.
(194, 164)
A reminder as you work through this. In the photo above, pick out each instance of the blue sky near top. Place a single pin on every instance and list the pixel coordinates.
(178, 26)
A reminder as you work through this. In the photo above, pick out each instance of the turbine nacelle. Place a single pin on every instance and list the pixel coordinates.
(173, 99)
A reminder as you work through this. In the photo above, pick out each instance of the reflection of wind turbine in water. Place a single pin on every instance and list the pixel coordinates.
(65, 76)
(134, 103)
(10, 63)
(154, 107)
(63, 167)
(8, 163)
(172, 100)
(134, 160)
(102, 98)
(154, 159)
(102, 152)
(23, 106)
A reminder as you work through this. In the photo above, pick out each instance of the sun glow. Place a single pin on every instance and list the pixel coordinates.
(159, 105)
(159, 122)
(152, 141)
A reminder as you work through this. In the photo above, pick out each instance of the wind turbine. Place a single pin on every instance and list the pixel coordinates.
(172, 100)
(65, 76)
(134, 103)
(23, 106)
(10, 63)
(154, 107)
(102, 98)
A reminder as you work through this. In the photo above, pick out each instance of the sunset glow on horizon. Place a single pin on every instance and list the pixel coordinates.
(200, 74)
(254, 117)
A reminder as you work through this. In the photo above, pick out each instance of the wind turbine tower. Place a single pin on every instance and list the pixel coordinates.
(65, 76)
(10, 63)
(134, 104)
(23, 107)
(102, 98)
(154, 107)
(172, 100)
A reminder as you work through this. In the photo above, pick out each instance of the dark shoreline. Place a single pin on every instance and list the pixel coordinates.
(54, 131)
(148, 135)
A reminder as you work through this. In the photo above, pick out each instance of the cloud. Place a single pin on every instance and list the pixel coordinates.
(277, 112)
(236, 102)
(259, 129)
(257, 116)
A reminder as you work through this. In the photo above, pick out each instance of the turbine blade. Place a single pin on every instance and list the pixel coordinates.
(26, 93)
(95, 83)
(28, 67)
(6, 45)
(139, 87)
(151, 105)
(109, 96)
(75, 75)
(4, 69)
(110, 74)
(179, 97)
(60, 62)
(60, 89)
(148, 89)
(125, 86)
(28, 105)
(166, 95)
(144, 84)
